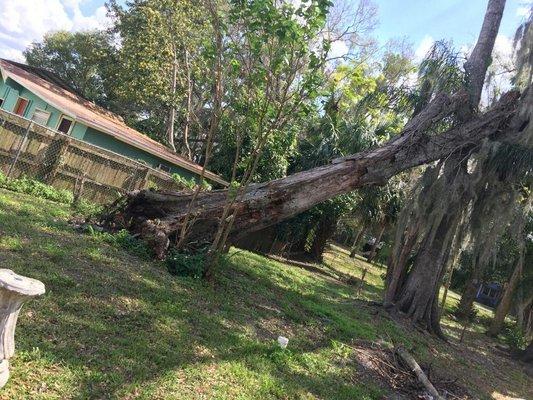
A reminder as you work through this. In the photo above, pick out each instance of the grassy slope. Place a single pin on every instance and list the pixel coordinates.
(114, 326)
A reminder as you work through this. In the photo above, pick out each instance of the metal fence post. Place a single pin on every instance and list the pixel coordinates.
(17, 155)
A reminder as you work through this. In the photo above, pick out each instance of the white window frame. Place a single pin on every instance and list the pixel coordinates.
(62, 117)
(25, 109)
(43, 111)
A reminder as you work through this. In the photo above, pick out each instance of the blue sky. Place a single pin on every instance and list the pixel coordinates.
(420, 21)
(459, 20)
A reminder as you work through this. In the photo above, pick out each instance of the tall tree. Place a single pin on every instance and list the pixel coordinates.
(165, 69)
(522, 271)
(86, 61)
(448, 186)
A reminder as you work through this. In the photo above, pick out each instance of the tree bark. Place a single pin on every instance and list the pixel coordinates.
(374, 249)
(471, 288)
(480, 58)
(157, 216)
(356, 241)
(188, 106)
(172, 110)
(505, 303)
(418, 298)
(323, 232)
(526, 355)
(418, 295)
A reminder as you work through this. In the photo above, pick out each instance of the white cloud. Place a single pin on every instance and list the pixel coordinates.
(25, 21)
(524, 11)
(11, 54)
(339, 48)
(424, 47)
(500, 69)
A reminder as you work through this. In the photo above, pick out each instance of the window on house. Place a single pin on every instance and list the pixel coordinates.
(20, 106)
(64, 125)
(1, 102)
(163, 167)
(40, 116)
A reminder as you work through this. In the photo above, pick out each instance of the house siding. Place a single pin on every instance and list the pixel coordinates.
(10, 91)
(110, 143)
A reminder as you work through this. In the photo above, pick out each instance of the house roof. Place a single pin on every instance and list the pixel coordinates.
(50, 88)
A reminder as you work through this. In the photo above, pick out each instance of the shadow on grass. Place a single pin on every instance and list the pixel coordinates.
(123, 325)
(119, 322)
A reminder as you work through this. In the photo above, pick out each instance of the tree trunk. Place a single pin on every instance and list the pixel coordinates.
(455, 252)
(373, 251)
(157, 216)
(188, 107)
(419, 296)
(356, 241)
(172, 110)
(505, 303)
(469, 294)
(526, 355)
(480, 58)
(397, 268)
(323, 232)
(446, 287)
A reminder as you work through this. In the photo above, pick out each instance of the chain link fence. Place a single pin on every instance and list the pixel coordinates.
(30, 150)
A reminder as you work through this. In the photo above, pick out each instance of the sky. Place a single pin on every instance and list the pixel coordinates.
(421, 22)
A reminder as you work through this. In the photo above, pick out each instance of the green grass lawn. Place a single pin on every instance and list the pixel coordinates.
(113, 325)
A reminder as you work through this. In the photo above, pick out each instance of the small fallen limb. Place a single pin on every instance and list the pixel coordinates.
(423, 379)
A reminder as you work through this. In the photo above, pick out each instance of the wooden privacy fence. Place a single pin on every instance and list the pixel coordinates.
(98, 175)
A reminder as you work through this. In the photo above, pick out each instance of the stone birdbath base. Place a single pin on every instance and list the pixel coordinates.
(15, 290)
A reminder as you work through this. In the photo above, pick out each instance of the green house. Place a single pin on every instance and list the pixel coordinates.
(39, 95)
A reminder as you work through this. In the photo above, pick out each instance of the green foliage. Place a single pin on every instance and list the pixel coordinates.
(156, 35)
(514, 337)
(184, 182)
(275, 74)
(86, 61)
(191, 183)
(87, 208)
(44, 191)
(124, 240)
(36, 188)
(440, 71)
(185, 264)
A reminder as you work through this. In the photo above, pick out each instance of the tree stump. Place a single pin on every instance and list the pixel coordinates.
(14, 291)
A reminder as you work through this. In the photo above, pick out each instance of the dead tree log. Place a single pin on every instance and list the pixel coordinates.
(421, 376)
(156, 216)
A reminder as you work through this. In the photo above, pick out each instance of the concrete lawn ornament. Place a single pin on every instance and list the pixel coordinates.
(15, 290)
(283, 342)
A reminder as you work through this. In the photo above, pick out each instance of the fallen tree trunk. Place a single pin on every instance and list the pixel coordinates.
(157, 216)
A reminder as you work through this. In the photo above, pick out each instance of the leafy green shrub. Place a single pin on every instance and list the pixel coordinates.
(184, 182)
(36, 188)
(124, 240)
(184, 264)
(190, 184)
(514, 338)
(44, 191)
(87, 208)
